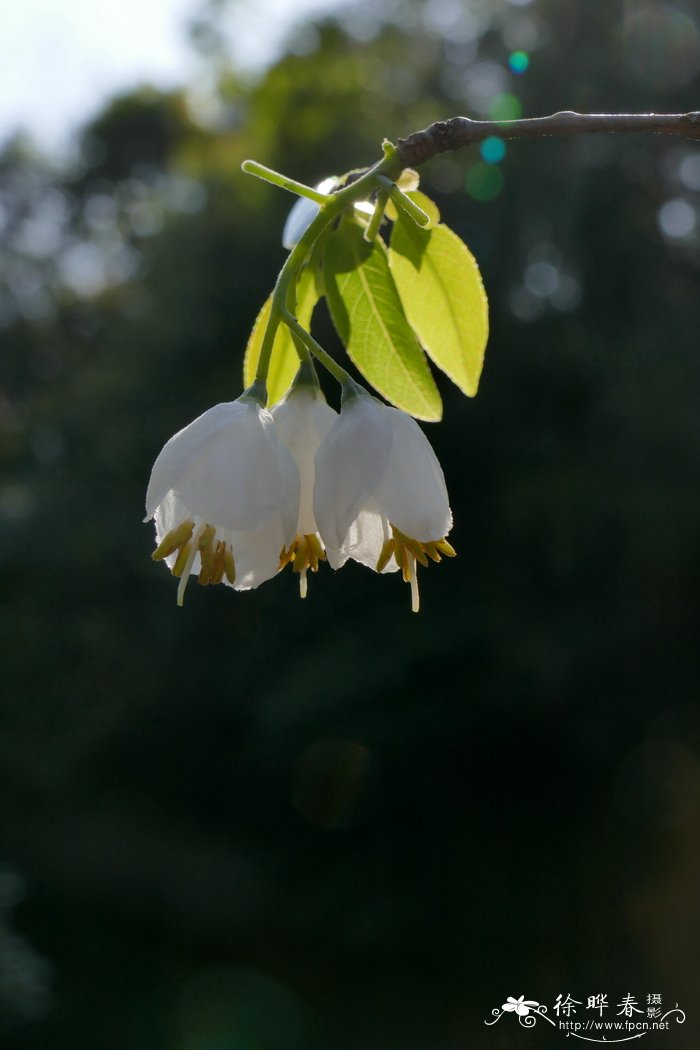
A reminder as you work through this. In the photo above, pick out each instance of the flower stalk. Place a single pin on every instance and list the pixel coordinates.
(331, 206)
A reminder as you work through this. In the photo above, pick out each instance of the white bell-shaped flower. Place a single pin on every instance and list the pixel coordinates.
(380, 496)
(303, 419)
(224, 493)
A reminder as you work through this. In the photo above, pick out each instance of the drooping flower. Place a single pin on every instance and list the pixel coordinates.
(303, 419)
(224, 493)
(380, 496)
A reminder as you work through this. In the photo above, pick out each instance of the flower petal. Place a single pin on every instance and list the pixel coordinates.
(349, 466)
(363, 542)
(303, 420)
(257, 554)
(243, 476)
(412, 492)
(185, 447)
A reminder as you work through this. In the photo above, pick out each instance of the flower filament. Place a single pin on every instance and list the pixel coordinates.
(406, 552)
(215, 555)
(304, 553)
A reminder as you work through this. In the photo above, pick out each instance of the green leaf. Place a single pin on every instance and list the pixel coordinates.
(369, 318)
(424, 202)
(442, 293)
(284, 362)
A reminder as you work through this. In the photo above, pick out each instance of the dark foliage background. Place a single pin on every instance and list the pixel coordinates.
(262, 824)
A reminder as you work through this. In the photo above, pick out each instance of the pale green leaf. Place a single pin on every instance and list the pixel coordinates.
(368, 316)
(442, 293)
(284, 361)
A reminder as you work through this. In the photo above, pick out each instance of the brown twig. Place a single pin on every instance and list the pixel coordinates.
(459, 132)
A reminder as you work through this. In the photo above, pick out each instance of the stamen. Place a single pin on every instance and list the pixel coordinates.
(181, 559)
(446, 548)
(301, 559)
(173, 540)
(229, 565)
(315, 544)
(413, 546)
(432, 551)
(413, 578)
(286, 556)
(311, 555)
(186, 570)
(385, 554)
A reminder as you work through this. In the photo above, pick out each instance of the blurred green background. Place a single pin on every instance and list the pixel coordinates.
(257, 823)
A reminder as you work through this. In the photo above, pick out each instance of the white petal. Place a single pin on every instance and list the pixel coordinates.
(412, 491)
(185, 447)
(303, 420)
(243, 476)
(364, 542)
(257, 553)
(349, 465)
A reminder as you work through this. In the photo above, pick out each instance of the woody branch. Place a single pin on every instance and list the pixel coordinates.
(458, 132)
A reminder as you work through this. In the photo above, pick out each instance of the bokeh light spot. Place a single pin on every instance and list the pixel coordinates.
(493, 149)
(689, 171)
(519, 61)
(483, 182)
(661, 46)
(676, 218)
(505, 107)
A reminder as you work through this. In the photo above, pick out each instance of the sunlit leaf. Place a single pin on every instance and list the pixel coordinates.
(442, 293)
(369, 318)
(285, 360)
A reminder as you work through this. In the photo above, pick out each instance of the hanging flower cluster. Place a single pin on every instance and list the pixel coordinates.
(278, 478)
(241, 492)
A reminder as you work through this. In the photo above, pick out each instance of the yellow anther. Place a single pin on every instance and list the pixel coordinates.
(432, 551)
(181, 560)
(446, 548)
(399, 554)
(286, 556)
(385, 554)
(206, 554)
(174, 539)
(311, 553)
(413, 546)
(301, 558)
(408, 566)
(315, 545)
(229, 565)
(207, 537)
(217, 572)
